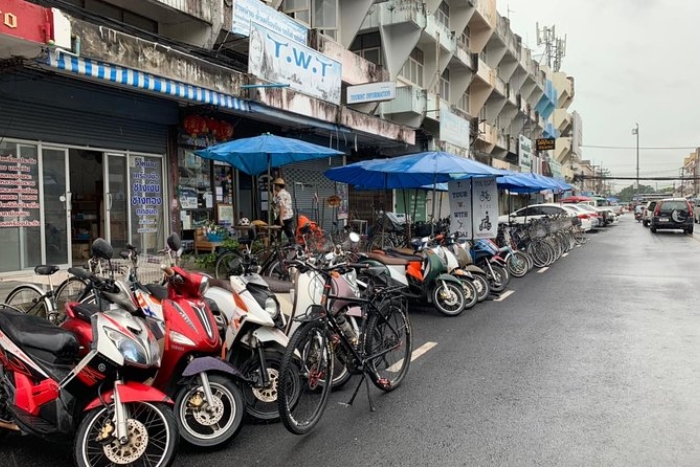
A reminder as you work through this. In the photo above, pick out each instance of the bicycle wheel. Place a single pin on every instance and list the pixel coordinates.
(29, 299)
(389, 334)
(315, 373)
(72, 289)
(229, 263)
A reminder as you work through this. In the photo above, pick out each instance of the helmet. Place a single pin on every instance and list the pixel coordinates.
(244, 221)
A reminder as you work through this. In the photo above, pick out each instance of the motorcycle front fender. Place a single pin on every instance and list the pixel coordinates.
(448, 278)
(474, 269)
(207, 364)
(271, 335)
(129, 392)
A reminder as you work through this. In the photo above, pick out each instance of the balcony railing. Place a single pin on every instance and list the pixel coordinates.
(395, 12)
(437, 30)
(409, 99)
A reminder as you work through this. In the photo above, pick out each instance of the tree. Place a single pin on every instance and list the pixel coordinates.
(625, 195)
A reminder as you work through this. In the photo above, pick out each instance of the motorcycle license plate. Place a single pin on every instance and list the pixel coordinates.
(663, 219)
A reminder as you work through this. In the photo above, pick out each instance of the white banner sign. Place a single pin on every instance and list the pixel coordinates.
(276, 59)
(255, 11)
(485, 193)
(525, 154)
(453, 128)
(372, 92)
(474, 207)
(460, 193)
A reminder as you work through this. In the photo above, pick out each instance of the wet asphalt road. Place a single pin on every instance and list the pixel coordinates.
(593, 362)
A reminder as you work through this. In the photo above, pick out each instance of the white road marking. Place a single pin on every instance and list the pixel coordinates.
(542, 270)
(505, 295)
(416, 353)
(565, 255)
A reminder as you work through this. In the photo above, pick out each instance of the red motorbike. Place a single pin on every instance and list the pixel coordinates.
(208, 405)
(98, 401)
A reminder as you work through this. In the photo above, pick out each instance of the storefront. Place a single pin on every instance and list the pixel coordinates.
(79, 161)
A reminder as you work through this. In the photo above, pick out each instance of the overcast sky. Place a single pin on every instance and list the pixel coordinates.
(633, 61)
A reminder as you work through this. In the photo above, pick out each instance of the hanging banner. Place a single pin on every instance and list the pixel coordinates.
(247, 11)
(276, 59)
(460, 193)
(485, 194)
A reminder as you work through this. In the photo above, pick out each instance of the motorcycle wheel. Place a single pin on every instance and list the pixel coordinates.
(153, 423)
(471, 296)
(448, 298)
(483, 288)
(261, 403)
(202, 428)
(501, 279)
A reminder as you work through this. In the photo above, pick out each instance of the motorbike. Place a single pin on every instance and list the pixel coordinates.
(254, 335)
(98, 401)
(460, 250)
(208, 403)
(424, 274)
(486, 256)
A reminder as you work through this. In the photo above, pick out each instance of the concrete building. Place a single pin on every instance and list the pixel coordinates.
(691, 169)
(111, 100)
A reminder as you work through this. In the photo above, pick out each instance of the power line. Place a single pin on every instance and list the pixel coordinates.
(650, 148)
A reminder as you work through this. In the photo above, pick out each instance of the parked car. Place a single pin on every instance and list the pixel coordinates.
(672, 213)
(596, 216)
(537, 211)
(696, 211)
(648, 213)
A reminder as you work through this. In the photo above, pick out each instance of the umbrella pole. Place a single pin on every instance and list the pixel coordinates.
(432, 212)
(471, 200)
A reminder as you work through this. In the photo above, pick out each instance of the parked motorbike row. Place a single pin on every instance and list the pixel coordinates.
(131, 368)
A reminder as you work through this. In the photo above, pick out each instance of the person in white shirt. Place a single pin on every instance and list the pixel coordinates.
(284, 213)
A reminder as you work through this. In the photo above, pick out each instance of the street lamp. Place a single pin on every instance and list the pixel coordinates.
(635, 131)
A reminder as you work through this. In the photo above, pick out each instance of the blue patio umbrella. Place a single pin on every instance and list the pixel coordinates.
(258, 154)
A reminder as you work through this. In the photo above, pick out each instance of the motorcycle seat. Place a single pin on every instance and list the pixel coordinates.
(85, 311)
(277, 285)
(403, 255)
(34, 332)
(158, 291)
(387, 260)
(45, 269)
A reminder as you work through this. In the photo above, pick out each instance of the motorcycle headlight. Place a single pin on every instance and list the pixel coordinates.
(204, 285)
(272, 307)
(128, 348)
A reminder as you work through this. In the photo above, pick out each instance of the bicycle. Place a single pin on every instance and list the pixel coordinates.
(323, 336)
(49, 303)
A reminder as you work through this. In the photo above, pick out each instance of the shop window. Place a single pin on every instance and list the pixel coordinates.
(196, 197)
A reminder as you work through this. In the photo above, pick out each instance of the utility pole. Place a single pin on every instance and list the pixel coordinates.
(635, 131)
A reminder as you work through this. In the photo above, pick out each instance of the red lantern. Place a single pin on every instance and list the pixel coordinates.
(212, 126)
(225, 131)
(194, 125)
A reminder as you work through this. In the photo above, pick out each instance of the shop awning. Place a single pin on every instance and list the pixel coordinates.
(140, 80)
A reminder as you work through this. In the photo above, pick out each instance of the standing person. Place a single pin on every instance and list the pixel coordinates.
(283, 209)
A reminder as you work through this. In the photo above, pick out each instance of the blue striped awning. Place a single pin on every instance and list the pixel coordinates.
(141, 80)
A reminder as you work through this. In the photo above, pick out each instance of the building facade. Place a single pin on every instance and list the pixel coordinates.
(107, 105)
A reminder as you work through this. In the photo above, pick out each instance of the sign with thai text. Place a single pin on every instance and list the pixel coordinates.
(372, 92)
(545, 144)
(525, 145)
(246, 12)
(276, 59)
(19, 191)
(146, 193)
(453, 128)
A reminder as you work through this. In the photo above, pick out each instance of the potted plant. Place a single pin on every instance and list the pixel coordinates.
(215, 233)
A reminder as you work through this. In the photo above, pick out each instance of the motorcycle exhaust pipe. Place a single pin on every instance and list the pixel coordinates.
(9, 426)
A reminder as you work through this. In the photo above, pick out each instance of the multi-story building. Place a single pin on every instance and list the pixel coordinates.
(690, 170)
(107, 100)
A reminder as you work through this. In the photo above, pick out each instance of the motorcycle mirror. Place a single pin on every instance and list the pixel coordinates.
(174, 242)
(102, 249)
(354, 237)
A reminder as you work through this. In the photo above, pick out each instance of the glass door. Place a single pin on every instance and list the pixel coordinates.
(56, 205)
(116, 196)
(146, 199)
